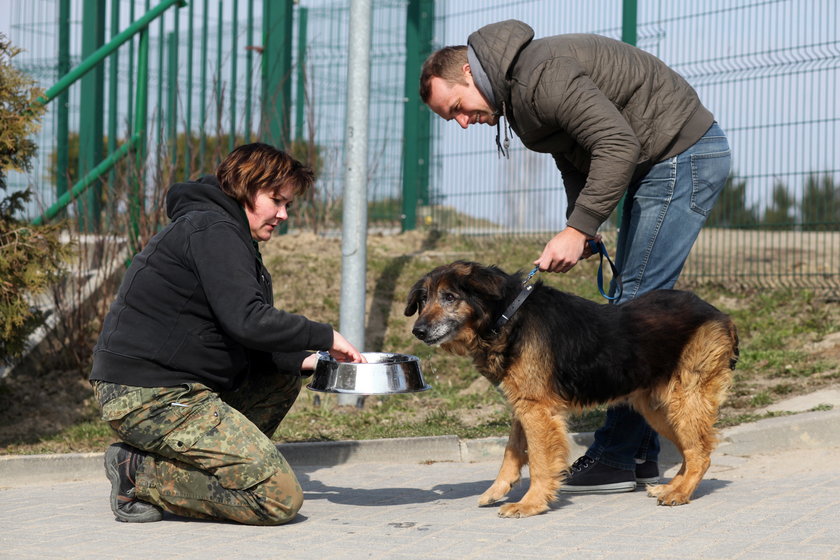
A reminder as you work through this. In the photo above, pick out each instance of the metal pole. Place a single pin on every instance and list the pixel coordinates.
(354, 228)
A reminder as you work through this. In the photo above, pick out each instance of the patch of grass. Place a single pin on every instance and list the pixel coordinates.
(761, 399)
(775, 329)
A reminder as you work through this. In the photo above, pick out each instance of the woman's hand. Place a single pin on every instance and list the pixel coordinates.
(563, 251)
(309, 362)
(343, 351)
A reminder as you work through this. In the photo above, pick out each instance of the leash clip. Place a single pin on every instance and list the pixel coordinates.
(531, 275)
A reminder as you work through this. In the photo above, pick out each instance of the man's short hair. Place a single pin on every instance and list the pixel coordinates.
(256, 167)
(446, 63)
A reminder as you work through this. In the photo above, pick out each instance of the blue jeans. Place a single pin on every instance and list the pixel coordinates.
(661, 219)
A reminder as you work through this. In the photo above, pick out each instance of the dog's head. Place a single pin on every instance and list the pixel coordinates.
(457, 302)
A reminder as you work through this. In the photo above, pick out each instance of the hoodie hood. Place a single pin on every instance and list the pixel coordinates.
(497, 46)
(202, 194)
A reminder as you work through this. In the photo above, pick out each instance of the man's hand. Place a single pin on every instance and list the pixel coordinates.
(564, 251)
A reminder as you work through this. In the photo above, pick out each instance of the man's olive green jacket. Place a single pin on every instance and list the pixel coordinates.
(606, 111)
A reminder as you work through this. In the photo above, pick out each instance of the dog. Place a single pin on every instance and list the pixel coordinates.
(667, 353)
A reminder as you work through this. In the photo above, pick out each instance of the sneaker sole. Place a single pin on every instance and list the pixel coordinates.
(646, 481)
(613, 488)
(112, 471)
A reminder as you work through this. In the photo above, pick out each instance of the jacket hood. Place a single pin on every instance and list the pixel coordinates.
(498, 46)
(202, 194)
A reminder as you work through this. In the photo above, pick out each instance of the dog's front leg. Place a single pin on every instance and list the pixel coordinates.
(516, 457)
(548, 452)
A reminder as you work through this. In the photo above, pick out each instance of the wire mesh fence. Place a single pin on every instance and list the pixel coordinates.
(768, 70)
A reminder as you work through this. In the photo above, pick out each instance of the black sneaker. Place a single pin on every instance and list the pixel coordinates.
(587, 475)
(121, 462)
(647, 473)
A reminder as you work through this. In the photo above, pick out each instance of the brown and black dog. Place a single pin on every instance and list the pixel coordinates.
(667, 353)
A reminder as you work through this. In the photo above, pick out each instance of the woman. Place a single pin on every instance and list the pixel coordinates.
(195, 368)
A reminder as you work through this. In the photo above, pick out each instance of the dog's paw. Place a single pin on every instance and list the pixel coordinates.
(666, 496)
(487, 499)
(493, 494)
(521, 509)
(654, 490)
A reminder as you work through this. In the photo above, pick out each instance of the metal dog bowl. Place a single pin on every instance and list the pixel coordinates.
(383, 374)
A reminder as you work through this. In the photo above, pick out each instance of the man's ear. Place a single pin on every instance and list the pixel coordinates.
(466, 68)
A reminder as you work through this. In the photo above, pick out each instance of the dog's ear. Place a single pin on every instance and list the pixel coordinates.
(490, 281)
(415, 298)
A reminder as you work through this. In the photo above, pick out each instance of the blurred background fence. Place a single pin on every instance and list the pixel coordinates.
(226, 72)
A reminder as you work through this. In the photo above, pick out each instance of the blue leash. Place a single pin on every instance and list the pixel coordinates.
(599, 248)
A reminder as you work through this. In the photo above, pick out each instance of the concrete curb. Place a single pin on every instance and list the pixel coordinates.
(799, 431)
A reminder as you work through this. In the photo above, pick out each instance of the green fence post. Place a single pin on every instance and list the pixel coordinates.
(136, 200)
(172, 98)
(249, 71)
(219, 90)
(629, 13)
(189, 96)
(276, 71)
(62, 125)
(232, 88)
(92, 109)
(110, 207)
(300, 96)
(629, 9)
(202, 104)
(159, 114)
(416, 117)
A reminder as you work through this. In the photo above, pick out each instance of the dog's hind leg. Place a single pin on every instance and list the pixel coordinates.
(690, 408)
(657, 419)
(516, 457)
(548, 452)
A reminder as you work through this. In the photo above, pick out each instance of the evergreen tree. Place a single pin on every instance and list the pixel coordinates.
(30, 257)
(821, 204)
(783, 209)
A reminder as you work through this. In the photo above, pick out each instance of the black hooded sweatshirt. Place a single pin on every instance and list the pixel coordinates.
(196, 305)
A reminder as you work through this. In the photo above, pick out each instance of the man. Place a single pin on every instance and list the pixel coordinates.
(617, 122)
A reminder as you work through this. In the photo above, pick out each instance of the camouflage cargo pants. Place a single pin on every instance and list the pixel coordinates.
(210, 454)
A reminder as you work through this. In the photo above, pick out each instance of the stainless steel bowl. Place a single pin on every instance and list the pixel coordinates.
(383, 374)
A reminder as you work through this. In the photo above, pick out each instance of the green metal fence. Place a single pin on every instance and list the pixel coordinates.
(220, 73)
(769, 70)
(229, 71)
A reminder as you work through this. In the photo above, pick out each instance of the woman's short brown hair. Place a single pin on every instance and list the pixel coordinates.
(446, 63)
(256, 167)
